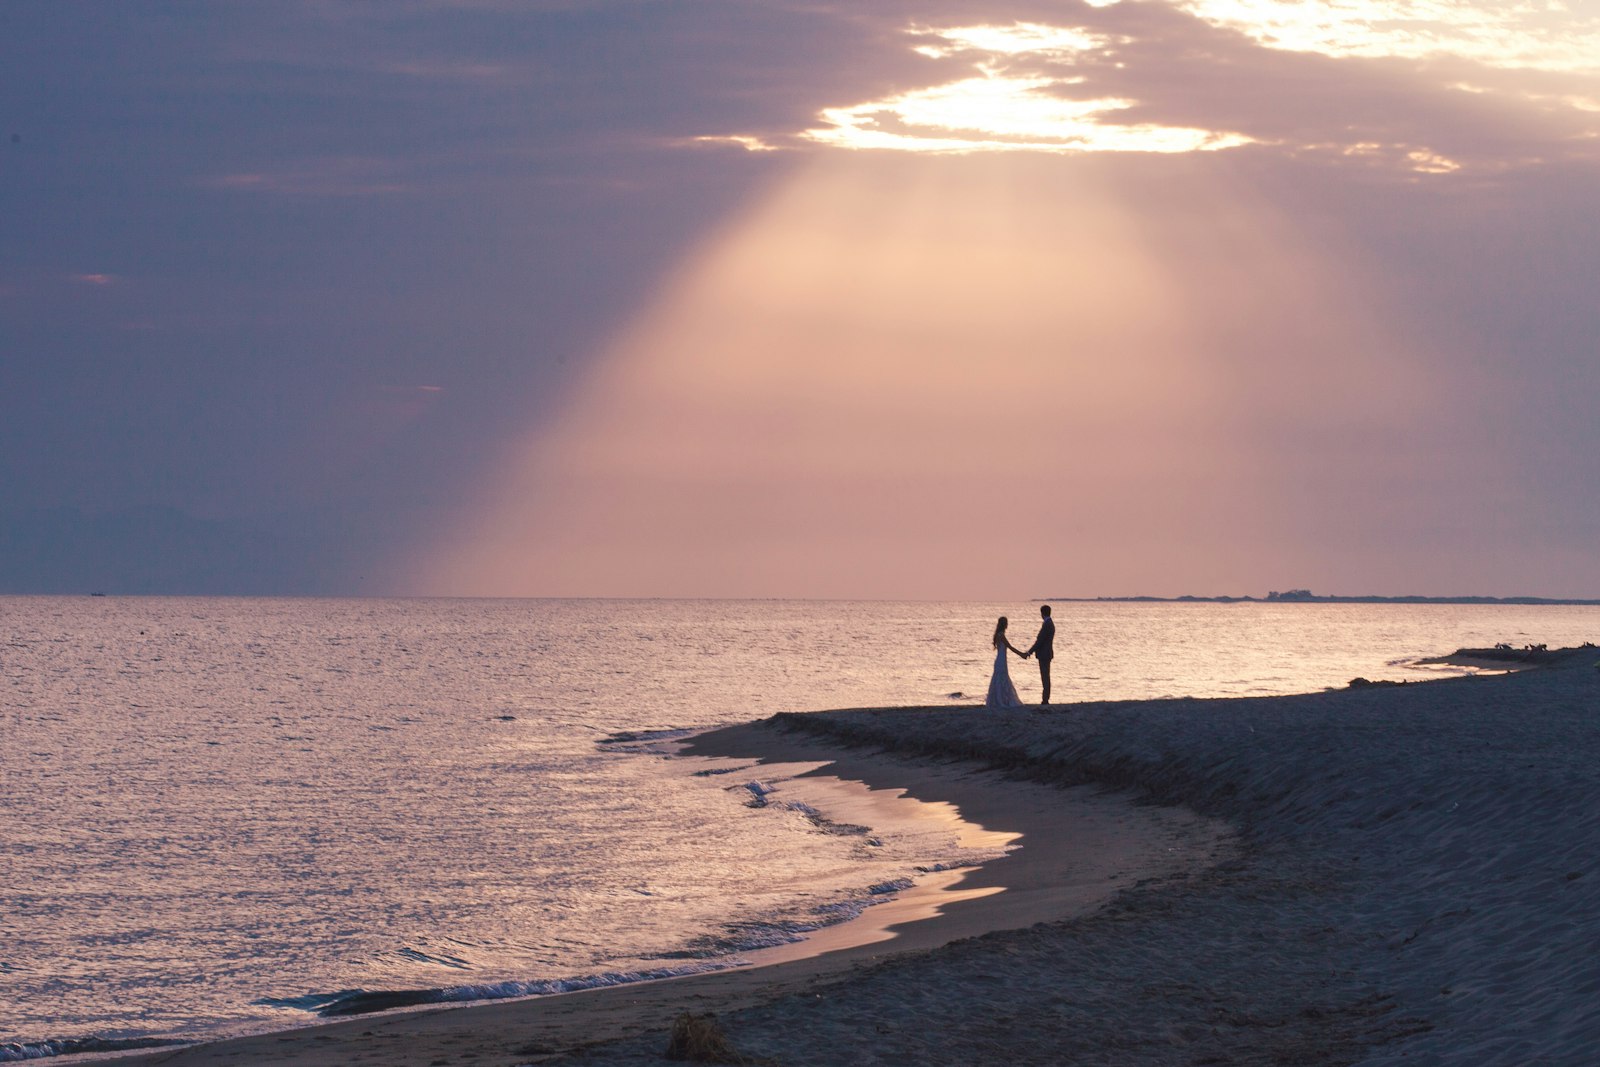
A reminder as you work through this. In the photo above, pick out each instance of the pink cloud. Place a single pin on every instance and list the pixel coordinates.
(336, 177)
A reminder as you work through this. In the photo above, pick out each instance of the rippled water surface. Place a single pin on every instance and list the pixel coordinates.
(215, 812)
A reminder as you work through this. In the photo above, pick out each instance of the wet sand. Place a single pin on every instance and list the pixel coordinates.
(1071, 852)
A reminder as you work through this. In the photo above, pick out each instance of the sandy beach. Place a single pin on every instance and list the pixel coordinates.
(1379, 875)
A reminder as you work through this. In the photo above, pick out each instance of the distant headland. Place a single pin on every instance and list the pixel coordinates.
(1306, 596)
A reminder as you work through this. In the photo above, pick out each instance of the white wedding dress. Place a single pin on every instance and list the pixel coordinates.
(1002, 694)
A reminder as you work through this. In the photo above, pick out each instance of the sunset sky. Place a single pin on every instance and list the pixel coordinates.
(913, 300)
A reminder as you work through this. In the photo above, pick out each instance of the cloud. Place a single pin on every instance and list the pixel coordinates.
(749, 144)
(1512, 35)
(332, 177)
(994, 113)
(1433, 90)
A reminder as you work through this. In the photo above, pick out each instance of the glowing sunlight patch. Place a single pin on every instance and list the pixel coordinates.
(1537, 36)
(1406, 157)
(1426, 162)
(736, 140)
(1019, 39)
(999, 112)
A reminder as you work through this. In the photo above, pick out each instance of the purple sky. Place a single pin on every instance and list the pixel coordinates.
(944, 299)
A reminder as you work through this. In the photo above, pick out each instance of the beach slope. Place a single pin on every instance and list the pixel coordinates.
(1412, 880)
(1416, 884)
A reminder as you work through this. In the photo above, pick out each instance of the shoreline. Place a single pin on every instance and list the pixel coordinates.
(1073, 851)
(1412, 881)
(1074, 848)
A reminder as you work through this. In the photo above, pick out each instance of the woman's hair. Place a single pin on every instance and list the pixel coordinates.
(999, 631)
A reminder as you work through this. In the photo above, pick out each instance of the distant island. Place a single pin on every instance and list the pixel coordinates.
(1306, 596)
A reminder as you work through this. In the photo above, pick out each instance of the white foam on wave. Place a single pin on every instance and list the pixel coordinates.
(550, 987)
(19, 1051)
(756, 935)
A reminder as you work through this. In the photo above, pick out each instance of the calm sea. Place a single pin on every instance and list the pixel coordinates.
(218, 814)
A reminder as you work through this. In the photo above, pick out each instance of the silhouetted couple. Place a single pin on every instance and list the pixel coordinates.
(1002, 694)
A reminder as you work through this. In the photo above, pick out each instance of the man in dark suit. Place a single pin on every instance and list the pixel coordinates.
(1044, 649)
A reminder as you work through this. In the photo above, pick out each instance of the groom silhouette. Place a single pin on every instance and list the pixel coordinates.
(1044, 649)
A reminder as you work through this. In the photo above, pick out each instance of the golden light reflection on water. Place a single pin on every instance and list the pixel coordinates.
(892, 811)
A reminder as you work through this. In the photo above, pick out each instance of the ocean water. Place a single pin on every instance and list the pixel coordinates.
(220, 815)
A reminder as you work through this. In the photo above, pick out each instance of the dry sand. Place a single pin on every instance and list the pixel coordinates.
(1413, 881)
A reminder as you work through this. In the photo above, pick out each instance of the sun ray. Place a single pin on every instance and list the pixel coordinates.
(881, 370)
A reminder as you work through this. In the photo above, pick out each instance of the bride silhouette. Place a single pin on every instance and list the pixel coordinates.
(1002, 694)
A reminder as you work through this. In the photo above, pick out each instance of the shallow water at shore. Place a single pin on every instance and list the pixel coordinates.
(217, 808)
